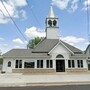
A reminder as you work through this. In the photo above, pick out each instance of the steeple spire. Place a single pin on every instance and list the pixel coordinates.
(51, 13)
(51, 25)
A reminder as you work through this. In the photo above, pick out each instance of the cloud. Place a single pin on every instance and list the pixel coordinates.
(69, 5)
(12, 7)
(61, 4)
(1, 38)
(19, 2)
(85, 3)
(23, 13)
(72, 39)
(34, 32)
(18, 41)
(74, 6)
(18, 47)
(4, 45)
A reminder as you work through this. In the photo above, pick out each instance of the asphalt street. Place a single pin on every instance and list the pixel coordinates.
(65, 87)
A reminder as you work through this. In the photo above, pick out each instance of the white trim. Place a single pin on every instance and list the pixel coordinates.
(63, 45)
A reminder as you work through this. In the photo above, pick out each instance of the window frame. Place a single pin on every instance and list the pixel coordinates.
(39, 63)
(71, 63)
(9, 64)
(80, 63)
(18, 64)
(31, 66)
(49, 63)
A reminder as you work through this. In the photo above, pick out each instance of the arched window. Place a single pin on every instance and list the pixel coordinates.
(59, 56)
(50, 23)
(9, 64)
(54, 23)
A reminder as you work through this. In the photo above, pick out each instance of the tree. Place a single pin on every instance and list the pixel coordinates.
(32, 43)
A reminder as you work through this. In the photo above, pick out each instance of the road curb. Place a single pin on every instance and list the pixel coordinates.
(42, 84)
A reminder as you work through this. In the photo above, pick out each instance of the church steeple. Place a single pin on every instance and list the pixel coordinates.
(51, 13)
(51, 25)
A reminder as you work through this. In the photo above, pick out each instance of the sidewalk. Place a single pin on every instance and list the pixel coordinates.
(55, 79)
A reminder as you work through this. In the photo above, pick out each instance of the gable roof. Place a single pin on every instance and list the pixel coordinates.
(87, 48)
(72, 48)
(24, 53)
(41, 50)
(47, 45)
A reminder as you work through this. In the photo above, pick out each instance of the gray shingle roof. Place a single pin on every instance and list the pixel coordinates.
(72, 48)
(24, 53)
(45, 45)
(41, 50)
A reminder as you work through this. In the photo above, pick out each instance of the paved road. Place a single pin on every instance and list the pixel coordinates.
(69, 87)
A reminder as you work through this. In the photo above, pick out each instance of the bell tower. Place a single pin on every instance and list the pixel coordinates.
(51, 25)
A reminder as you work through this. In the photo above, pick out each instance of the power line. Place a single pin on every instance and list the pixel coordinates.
(34, 14)
(13, 20)
(88, 22)
(2, 12)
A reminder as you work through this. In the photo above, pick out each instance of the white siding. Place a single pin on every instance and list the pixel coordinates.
(60, 49)
(52, 33)
(5, 65)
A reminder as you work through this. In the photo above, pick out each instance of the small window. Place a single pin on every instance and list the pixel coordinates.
(54, 23)
(39, 63)
(71, 63)
(80, 63)
(50, 23)
(49, 63)
(18, 64)
(9, 64)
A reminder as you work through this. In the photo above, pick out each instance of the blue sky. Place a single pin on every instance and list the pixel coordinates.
(30, 18)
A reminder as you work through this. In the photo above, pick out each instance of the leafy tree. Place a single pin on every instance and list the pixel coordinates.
(32, 43)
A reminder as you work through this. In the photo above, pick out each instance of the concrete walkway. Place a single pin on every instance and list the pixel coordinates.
(59, 78)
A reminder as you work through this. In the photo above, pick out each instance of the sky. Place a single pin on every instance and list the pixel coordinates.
(30, 15)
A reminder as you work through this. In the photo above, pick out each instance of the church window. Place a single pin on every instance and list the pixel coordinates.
(18, 64)
(71, 63)
(49, 63)
(9, 64)
(80, 63)
(50, 23)
(29, 64)
(54, 23)
(59, 56)
(39, 63)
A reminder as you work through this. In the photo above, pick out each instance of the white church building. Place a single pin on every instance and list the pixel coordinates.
(51, 55)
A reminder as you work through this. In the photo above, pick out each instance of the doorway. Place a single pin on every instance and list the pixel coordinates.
(60, 65)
